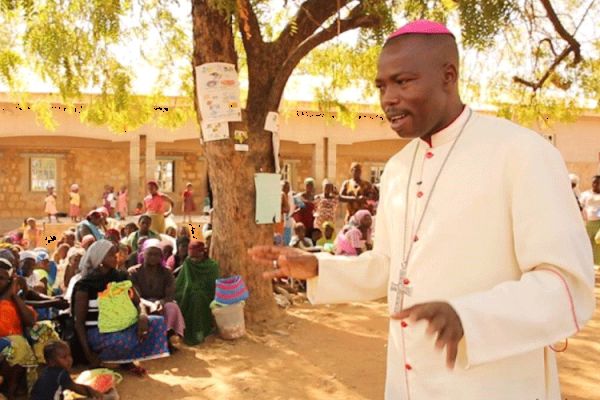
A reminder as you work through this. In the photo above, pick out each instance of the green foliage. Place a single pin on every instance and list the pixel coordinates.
(84, 46)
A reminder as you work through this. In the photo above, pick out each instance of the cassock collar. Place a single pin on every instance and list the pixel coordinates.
(450, 132)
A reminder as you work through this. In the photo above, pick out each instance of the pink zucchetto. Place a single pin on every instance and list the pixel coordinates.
(421, 27)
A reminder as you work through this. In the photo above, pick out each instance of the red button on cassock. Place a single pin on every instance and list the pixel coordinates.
(408, 367)
(429, 154)
(406, 281)
(416, 238)
(403, 324)
(419, 194)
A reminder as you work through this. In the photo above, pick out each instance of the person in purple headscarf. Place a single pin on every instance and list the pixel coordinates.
(156, 287)
(355, 238)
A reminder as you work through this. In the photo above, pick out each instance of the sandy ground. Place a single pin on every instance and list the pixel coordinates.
(318, 352)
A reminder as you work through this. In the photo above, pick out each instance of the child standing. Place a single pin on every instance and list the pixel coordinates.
(111, 199)
(32, 235)
(122, 209)
(188, 205)
(74, 203)
(50, 205)
(55, 378)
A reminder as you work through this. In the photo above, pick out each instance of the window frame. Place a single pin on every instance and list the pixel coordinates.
(31, 160)
(159, 163)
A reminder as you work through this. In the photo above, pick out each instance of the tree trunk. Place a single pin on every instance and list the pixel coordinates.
(231, 173)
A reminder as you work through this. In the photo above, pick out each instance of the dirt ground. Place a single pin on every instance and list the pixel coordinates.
(318, 352)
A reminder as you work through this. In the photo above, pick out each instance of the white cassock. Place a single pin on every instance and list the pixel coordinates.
(502, 241)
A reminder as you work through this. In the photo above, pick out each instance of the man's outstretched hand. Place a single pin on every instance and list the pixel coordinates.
(285, 262)
(443, 320)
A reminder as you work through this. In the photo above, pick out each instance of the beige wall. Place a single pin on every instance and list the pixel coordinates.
(316, 144)
(368, 154)
(301, 157)
(579, 144)
(190, 166)
(87, 162)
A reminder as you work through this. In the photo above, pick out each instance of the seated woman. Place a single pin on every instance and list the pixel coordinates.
(145, 221)
(74, 256)
(194, 291)
(145, 339)
(299, 240)
(92, 225)
(355, 238)
(156, 287)
(28, 261)
(177, 259)
(18, 354)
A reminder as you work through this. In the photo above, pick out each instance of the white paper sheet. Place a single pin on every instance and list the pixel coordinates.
(218, 90)
(268, 198)
(272, 122)
(215, 131)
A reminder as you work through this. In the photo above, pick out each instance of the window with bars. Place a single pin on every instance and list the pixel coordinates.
(43, 171)
(376, 172)
(287, 172)
(165, 175)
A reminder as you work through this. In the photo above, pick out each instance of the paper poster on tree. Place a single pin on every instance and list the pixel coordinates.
(218, 90)
(215, 131)
(268, 198)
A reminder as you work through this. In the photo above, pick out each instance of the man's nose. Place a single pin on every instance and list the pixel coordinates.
(389, 97)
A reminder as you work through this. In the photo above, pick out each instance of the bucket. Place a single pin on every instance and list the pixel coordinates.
(230, 321)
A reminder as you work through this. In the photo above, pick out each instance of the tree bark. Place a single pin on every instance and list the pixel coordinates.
(231, 173)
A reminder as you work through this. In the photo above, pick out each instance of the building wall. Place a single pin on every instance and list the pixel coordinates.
(190, 166)
(301, 157)
(579, 144)
(369, 154)
(87, 162)
(315, 144)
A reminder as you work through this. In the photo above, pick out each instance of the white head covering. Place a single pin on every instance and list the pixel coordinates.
(75, 251)
(24, 255)
(575, 180)
(94, 255)
(6, 265)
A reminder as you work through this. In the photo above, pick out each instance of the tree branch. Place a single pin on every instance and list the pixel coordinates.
(310, 17)
(560, 29)
(537, 85)
(356, 20)
(573, 47)
(249, 27)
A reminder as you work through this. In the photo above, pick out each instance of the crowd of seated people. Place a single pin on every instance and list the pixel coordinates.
(112, 297)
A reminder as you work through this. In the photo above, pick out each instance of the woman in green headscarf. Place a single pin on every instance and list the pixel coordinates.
(194, 291)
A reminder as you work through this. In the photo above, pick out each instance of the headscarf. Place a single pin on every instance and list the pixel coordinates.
(355, 219)
(41, 256)
(73, 251)
(113, 234)
(148, 243)
(87, 241)
(7, 258)
(28, 254)
(327, 224)
(355, 222)
(195, 245)
(74, 187)
(41, 250)
(7, 255)
(93, 257)
(575, 180)
(309, 180)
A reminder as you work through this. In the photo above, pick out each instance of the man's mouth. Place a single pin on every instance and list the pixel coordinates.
(398, 117)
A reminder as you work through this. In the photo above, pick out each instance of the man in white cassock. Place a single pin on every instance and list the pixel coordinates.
(471, 261)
